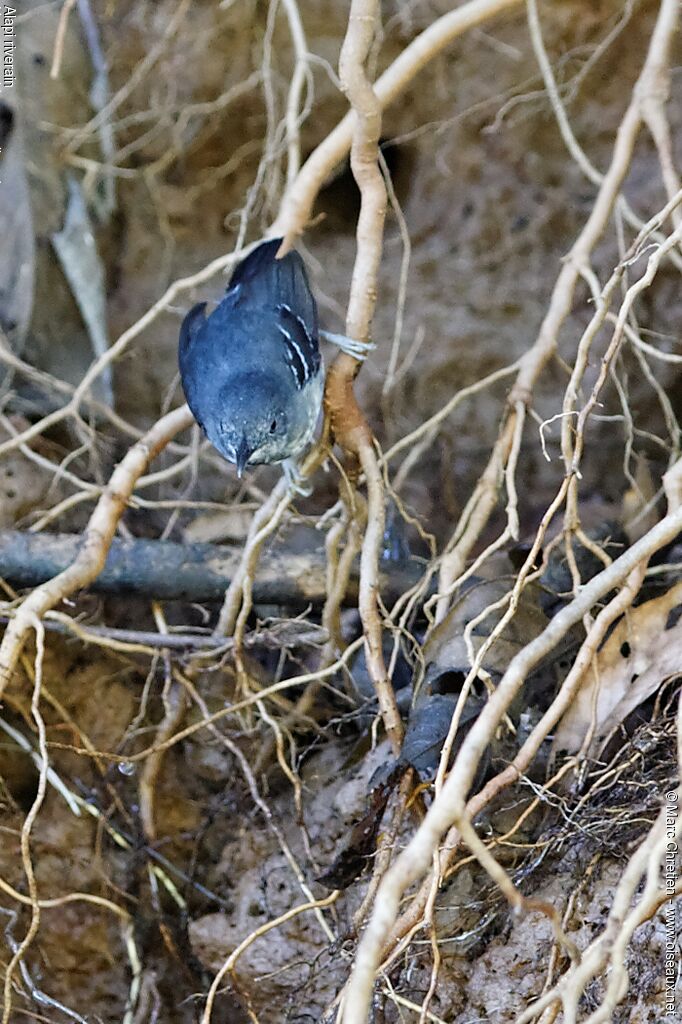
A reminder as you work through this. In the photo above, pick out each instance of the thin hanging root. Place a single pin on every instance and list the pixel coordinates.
(96, 540)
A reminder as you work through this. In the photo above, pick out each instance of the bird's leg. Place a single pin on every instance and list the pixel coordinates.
(357, 349)
(297, 484)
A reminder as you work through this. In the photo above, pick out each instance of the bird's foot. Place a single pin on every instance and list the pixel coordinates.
(297, 483)
(357, 349)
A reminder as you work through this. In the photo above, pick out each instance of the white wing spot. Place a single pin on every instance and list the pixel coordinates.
(301, 379)
(300, 319)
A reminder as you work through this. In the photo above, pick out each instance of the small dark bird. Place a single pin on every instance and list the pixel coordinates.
(252, 371)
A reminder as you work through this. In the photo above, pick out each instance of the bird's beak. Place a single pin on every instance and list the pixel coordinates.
(243, 454)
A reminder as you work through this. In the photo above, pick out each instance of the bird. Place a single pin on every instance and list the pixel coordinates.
(252, 371)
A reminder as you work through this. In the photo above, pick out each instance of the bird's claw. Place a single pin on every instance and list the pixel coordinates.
(351, 346)
(297, 483)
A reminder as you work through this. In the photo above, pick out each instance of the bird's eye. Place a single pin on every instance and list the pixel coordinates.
(273, 426)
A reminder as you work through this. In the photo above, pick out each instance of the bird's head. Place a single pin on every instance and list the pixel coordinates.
(252, 424)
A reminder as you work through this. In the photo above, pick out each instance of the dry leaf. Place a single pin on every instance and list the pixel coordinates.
(355, 856)
(428, 727)
(76, 249)
(17, 268)
(446, 650)
(644, 650)
(60, 338)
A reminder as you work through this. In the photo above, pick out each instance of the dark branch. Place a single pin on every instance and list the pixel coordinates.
(194, 572)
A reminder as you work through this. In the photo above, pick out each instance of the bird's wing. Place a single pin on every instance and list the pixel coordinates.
(301, 349)
(272, 293)
(190, 366)
(189, 329)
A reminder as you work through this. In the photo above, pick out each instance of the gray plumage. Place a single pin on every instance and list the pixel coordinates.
(252, 371)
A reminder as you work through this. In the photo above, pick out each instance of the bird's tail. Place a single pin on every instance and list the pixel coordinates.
(259, 263)
(267, 282)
